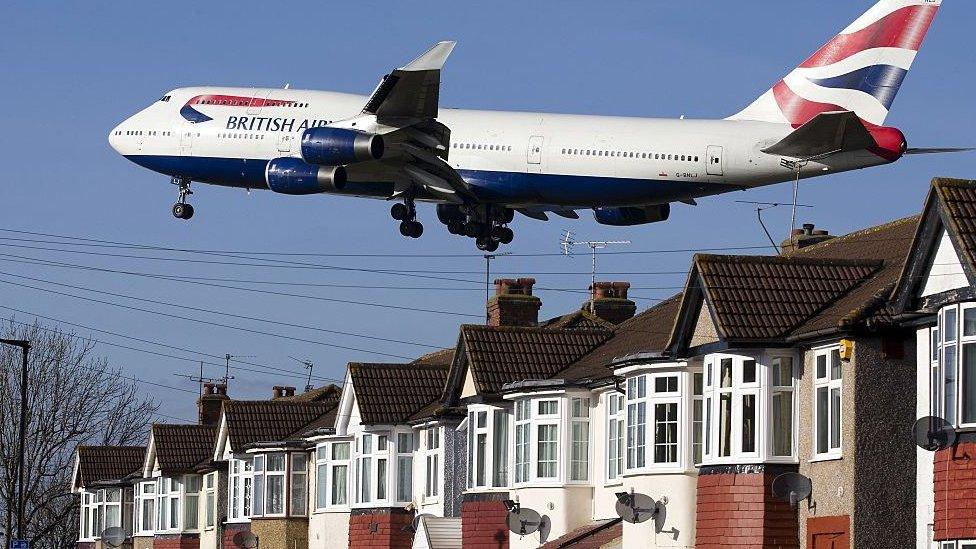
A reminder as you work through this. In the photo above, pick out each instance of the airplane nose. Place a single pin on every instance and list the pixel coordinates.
(113, 138)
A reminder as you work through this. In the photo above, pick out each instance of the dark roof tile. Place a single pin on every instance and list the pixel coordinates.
(108, 463)
(183, 448)
(391, 393)
(253, 421)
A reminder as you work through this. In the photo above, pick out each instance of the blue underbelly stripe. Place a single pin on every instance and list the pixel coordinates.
(583, 191)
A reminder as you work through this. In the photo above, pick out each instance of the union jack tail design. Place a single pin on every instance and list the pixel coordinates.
(858, 70)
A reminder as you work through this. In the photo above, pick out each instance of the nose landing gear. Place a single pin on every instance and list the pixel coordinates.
(182, 210)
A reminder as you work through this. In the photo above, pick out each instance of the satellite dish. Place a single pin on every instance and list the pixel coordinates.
(545, 528)
(247, 540)
(792, 487)
(933, 433)
(523, 521)
(636, 508)
(113, 537)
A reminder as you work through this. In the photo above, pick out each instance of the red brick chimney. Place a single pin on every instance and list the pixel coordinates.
(210, 403)
(513, 303)
(280, 391)
(609, 301)
(807, 236)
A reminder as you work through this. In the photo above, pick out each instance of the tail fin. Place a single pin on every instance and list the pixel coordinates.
(859, 70)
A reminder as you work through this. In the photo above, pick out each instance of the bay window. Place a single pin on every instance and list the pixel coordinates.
(145, 508)
(523, 440)
(487, 447)
(240, 478)
(101, 509)
(176, 504)
(615, 406)
(280, 484)
(364, 469)
(654, 411)
(827, 388)
(954, 365)
(331, 475)
(547, 439)
(636, 421)
(667, 402)
(432, 445)
(743, 408)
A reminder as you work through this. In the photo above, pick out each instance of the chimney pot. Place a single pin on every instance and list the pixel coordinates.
(513, 303)
(210, 403)
(807, 236)
(276, 391)
(610, 302)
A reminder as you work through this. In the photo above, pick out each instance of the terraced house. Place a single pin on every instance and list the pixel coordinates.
(801, 372)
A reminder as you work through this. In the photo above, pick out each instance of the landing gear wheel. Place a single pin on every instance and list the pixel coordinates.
(400, 212)
(411, 229)
(182, 210)
(455, 227)
(486, 244)
(473, 229)
(503, 235)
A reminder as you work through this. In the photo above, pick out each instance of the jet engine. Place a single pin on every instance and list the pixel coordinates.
(295, 176)
(326, 146)
(628, 216)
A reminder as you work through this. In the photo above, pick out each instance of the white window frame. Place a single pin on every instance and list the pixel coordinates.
(697, 416)
(210, 481)
(240, 488)
(615, 405)
(191, 486)
(665, 398)
(775, 390)
(548, 419)
(405, 448)
(488, 470)
(372, 448)
(432, 459)
(329, 462)
(636, 436)
(171, 491)
(260, 485)
(296, 491)
(952, 409)
(580, 447)
(144, 495)
(522, 455)
(829, 383)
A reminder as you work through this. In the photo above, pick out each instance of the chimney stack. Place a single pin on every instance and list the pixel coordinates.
(513, 303)
(609, 302)
(280, 391)
(806, 236)
(210, 403)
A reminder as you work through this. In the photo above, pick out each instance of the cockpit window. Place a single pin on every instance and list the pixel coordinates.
(164, 98)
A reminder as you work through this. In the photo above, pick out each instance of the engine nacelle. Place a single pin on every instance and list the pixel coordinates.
(626, 217)
(326, 146)
(295, 176)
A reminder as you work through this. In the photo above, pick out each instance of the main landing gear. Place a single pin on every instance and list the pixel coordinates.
(182, 210)
(406, 214)
(484, 223)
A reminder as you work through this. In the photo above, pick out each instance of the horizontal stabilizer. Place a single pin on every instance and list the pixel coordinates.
(938, 150)
(828, 133)
(533, 213)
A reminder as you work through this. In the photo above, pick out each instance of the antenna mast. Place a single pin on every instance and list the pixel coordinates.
(228, 357)
(567, 244)
(309, 365)
(488, 260)
(198, 379)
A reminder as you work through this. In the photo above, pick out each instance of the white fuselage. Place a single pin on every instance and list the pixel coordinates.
(511, 158)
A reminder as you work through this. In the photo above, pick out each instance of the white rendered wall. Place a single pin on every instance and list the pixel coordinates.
(924, 494)
(945, 273)
(677, 527)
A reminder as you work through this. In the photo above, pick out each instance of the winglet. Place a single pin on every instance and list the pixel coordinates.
(432, 59)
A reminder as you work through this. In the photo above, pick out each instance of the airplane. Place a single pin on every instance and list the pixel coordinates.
(481, 167)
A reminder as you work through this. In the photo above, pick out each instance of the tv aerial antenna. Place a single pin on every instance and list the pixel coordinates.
(637, 508)
(763, 206)
(227, 358)
(198, 379)
(308, 364)
(792, 487)
(567, 243)
(933, 433)
(113, 537)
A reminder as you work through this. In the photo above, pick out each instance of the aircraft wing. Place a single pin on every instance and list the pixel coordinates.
(827, 133)
(411, 91)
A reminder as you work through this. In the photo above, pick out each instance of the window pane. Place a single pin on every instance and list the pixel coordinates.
(299, 499)
(969, 321)
(821, 366)
(949, 325)
(835, 418)
(499, 456)
(697, 384)
(580, 407)
(949, 384)
(276, 462)
(340, 474)
(579, 460)
(480, 458)
(725, 425)
(696, 430)
(935, 344)
(321, 486)
(381, 479)
(548, 407)
(404, 443)
(835, 368)
(247, 496)
(726, 373)
(667, 384)
(547, 451)
(749, 371)
(190, 518)
(707, 435)
(275, 504)
(968, 382)
(783, 372)
(366, 464)
(748, 423)
(666, 433)
(783, 424)
(113, 517)
(822, 426)
(340, 450)
(404, 478)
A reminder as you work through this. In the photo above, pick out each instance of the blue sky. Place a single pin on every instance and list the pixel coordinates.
(73, 70)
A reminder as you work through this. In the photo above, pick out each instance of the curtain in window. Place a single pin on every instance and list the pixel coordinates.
(725, 424)
(404, 478)
(499, 455)
(782, 424)
(321, 486)
(547, 451)
(580, 450)
(340, 479)
(275, 504)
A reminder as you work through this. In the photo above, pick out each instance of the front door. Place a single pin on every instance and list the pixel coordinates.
(186, 139)
(715, 161)
(534, 153)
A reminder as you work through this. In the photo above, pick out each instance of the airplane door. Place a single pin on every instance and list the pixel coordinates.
(534, 153)
(257, 101)
(715, 161)
(186, 140)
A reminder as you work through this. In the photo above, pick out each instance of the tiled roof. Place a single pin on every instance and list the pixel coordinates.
(889, 243)
(594, 535)
(183, 448)
(444, 357)
(758, 298)
(327, 393)
(580, 319)
(253, 421)
(647, 332)
(108, 463)
(497, 355)
(958, 199)
(392, 393)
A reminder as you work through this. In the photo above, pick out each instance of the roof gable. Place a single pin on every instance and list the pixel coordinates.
(389, 394)
(95, 464)
(251, 421)
(182, 448)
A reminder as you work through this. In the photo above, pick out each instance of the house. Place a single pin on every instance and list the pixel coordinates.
(935, 297)
(102, 479)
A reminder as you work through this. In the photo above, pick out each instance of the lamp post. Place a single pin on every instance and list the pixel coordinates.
(22, 431)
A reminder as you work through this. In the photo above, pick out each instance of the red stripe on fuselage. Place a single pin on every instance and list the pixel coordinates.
(904, 28)
(238, 101)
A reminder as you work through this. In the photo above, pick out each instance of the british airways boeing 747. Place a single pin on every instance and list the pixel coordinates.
(481, 167)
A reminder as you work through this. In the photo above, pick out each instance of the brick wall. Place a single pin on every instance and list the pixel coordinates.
(955, 492)
(388, 528)
(176, 541)
(231, 530)
(484, 521)
(736, 508)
